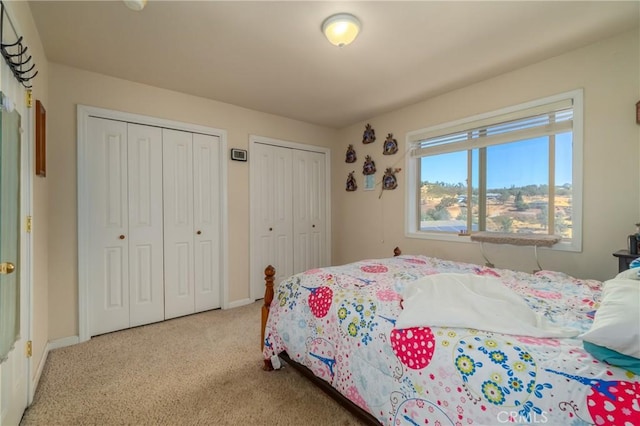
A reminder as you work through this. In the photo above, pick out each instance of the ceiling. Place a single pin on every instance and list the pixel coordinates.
(272, 57)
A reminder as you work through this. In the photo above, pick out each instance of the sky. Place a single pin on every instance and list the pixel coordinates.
(515, 164)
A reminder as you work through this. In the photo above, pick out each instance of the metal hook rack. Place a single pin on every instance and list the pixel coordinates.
(15, 56)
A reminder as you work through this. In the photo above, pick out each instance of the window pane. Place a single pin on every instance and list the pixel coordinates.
(510, 170)
(443, 192)
(517, 198)
(564, 185)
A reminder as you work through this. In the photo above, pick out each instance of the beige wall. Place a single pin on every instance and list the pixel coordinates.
(365, 225)
(39, 325)
(69, 87)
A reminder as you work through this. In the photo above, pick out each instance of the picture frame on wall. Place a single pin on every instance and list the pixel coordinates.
(41, 139)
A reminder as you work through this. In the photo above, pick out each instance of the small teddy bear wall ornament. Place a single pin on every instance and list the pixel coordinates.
(369, 135)
(351, 182)
(390, 145)
(389, 180)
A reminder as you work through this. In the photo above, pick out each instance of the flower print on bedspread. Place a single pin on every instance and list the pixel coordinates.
(357, 318)
(288, 293)
(499, 372)
(609, 402)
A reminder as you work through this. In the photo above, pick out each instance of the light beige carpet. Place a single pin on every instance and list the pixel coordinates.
(204, 369)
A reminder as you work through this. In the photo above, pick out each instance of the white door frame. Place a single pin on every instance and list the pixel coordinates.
(254, 293)
(83, 113)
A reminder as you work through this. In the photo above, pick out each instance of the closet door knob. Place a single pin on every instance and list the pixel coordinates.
(313, 226)
(121, 237)
(199, 232)
(270, 229)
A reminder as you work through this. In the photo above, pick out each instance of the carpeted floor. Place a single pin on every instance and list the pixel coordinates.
(204, 369)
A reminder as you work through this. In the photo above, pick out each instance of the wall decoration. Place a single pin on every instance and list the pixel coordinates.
(390, 145)
(369, 134)
(369, 166)
(351, 155)
(389, 180)
(41, 139)
(351, 182)
(369, 182)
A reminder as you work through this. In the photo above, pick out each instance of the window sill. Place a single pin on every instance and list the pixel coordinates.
(563, 245)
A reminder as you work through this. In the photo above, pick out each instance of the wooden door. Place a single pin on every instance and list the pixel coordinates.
(145, 242)
(108, 257)
(309, 210)
(179, 229)
(206, 214)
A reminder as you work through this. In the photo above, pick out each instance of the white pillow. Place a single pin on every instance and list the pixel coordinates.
(632, 274)
(617, 321)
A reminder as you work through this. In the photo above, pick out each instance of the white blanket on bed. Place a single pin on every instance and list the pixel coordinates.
(473, 301)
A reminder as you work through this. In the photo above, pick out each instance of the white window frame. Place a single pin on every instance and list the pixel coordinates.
(413, 179)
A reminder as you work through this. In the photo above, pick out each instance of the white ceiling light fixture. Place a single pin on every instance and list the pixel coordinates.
(136, 5)
(341, 29)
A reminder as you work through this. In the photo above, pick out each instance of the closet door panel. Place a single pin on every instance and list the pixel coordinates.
(272, 215)
(178, 223)
(282, 213)
(317, 210)
(309, 209)
(146, 271)
(301, 213)
(262, 254)
(206, 208)
(108, 245)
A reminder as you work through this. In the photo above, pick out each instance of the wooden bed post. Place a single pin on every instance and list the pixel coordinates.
(269, 274)
(397, 251)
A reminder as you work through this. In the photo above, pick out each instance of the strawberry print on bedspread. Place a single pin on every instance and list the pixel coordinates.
(340, 323)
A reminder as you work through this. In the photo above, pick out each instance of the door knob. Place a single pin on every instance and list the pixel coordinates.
(7, 268)
(270, 229)
(121, 237)
(199, 232)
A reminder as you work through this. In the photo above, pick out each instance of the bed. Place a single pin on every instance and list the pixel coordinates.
(340, 324)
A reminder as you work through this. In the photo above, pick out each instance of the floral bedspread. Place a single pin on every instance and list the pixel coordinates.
(340, 322)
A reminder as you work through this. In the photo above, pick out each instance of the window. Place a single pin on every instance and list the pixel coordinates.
(517, 170)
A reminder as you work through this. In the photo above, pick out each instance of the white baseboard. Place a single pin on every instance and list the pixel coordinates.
(64, 342)
(241, 302)
(36, 378)
(59, 343)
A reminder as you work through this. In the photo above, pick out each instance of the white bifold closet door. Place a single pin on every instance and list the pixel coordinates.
(273, 211)
(309, 210)
(289, 211)
(191, 222)
(125, 243)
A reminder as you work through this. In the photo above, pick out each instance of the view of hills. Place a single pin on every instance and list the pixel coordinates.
(444, 207)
